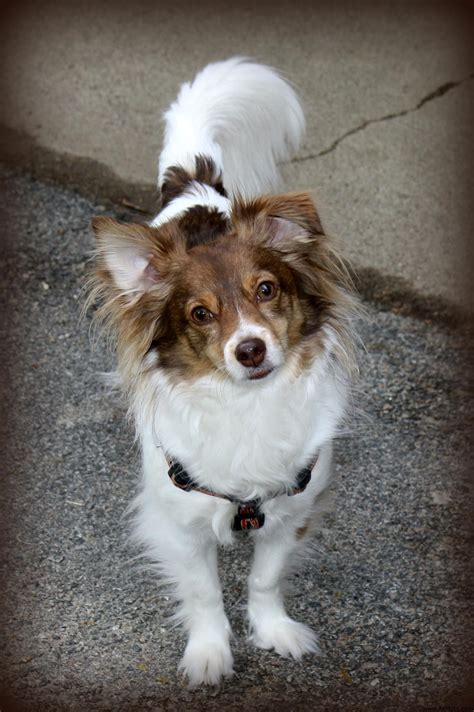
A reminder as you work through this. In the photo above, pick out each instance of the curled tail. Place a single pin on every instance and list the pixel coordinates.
(230, 127)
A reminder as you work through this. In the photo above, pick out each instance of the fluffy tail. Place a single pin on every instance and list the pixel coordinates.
(243, 116)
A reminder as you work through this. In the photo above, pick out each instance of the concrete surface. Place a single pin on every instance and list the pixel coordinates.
(387, 89)
(85, 628)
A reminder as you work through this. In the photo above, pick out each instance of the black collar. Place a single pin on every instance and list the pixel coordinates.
(248, 514)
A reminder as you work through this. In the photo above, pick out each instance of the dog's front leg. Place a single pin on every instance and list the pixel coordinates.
(174, 527)
(191, 564)
(270, 625)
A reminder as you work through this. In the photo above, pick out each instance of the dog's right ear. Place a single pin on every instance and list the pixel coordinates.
(128, 254)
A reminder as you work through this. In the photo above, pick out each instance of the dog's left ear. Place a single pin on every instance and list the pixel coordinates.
(291, 212)
(283, 221)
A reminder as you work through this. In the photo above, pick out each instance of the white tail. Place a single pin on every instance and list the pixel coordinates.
(241, 114)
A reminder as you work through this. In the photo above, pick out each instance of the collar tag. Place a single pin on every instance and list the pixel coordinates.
(248, 517)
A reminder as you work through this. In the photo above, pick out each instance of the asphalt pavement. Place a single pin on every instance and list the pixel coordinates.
(85, 628)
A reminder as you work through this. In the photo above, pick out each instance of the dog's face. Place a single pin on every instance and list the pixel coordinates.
(236, 303)
(234, 310)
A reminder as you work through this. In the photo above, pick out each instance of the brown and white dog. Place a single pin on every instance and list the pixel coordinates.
(232, 319)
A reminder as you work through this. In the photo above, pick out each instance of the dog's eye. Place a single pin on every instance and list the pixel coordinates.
(265, 291)
(201, 315)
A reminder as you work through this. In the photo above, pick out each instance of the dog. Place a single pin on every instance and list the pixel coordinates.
(232, 316)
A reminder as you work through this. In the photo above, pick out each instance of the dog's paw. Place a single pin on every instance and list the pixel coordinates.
(206, 661)
(287, 637)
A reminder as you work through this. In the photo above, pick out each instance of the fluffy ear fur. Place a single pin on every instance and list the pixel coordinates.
(291, 212)
(290, 226)
(291, 216)
(126, 252)
(132, 284)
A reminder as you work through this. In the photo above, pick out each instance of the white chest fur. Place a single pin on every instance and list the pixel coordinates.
(244, 440)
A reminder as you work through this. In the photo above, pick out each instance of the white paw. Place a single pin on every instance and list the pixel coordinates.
(206, 661)
(286, 636)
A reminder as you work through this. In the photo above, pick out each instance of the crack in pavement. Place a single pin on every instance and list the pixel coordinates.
(440, 91)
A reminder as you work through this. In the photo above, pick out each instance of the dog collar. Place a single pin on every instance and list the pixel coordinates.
(248, 514)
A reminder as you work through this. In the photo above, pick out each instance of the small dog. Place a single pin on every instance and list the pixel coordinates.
(232, 318)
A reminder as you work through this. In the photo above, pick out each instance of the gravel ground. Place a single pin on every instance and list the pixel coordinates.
(85, 629)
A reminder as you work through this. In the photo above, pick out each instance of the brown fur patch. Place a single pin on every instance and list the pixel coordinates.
(201, 224)
(177, 179)
(201, 260)
(301, 532)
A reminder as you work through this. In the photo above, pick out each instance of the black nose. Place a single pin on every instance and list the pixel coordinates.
(251, 352)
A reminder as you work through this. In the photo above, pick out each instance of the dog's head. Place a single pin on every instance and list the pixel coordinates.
(239, 298)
